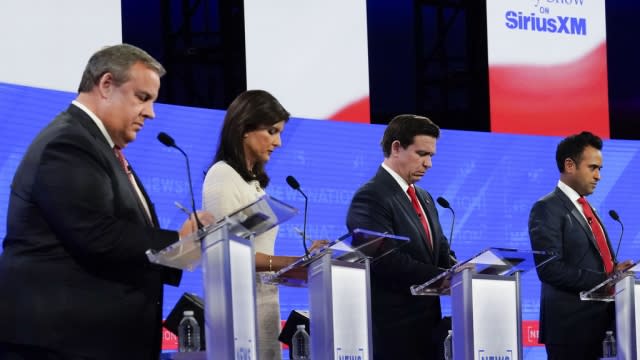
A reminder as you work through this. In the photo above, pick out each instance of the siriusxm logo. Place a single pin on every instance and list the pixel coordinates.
(559, 25)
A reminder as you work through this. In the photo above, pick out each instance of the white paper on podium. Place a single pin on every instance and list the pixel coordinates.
(488, 258)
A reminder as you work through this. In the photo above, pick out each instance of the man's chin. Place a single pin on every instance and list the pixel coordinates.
(131, 137)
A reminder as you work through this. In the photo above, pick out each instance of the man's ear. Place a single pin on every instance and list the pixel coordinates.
(569, 165)
(105, 85)
(395, 146)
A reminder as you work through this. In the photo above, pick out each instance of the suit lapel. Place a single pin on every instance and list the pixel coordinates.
(102, 146)
(404, 203)
(604, 231)
(152, 211)
(577, 216)
(429, 209)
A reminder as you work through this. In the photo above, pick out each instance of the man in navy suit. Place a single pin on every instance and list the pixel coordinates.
(404, 325)
(74, 278)
(563, 223)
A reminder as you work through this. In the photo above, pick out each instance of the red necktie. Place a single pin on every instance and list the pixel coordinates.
(123, 163)
(598, 233)
(423, 219)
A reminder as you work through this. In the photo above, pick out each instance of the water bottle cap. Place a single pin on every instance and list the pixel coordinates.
(188, 313)
(301, 326)
(609, 332)
(450, 332)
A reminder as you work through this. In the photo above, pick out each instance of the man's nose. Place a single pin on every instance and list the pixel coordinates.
(148, 112)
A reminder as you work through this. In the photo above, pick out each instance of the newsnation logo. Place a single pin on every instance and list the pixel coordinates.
(485, 355)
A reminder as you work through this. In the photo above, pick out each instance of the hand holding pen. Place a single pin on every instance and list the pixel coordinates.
(191, 225)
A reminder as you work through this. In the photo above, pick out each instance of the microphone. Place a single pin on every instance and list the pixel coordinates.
(445, 204)
(614, 216)
(295, 185)
(168, 141)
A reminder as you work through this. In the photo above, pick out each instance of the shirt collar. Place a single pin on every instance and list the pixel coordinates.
(568, 190)
(401, 182)
(96, 120)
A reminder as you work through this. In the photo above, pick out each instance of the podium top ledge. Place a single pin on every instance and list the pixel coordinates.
(494, 261)
(253, 219)
(353, 247)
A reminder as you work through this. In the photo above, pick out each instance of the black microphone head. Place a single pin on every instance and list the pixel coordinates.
(614, 215)
(443, 202)
(295, 185)
(166, 139)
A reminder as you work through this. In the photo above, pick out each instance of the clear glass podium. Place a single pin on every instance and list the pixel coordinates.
(485, 305)
(339, 292)
(624, 289)
(225, 251)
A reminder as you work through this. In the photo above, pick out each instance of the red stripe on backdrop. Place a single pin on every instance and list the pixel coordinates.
(551, 100)
(357, 111)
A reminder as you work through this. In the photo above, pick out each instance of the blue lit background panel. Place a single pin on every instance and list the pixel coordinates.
(491, 180)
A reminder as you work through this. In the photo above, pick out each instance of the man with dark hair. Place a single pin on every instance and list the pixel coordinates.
(564, 224)
(74, 277)
(403, 325)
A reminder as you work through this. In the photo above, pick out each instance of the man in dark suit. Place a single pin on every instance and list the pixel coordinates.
(74, 278)
(564, 224)
(403, 325)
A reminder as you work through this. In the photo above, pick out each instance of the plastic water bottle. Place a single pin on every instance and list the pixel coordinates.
(609, 345)
(189, 333)
(300, 344)
(448, 346)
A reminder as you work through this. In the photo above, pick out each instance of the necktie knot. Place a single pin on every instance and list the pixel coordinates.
(583, 201)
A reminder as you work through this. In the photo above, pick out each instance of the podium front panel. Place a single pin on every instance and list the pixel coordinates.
(495, 320)
(350, 313)
(627, 326)
(228, 266)
(321, 307)
(340, 304)
(216, 312)
(636, 289)
(485, 316)
(244, 309)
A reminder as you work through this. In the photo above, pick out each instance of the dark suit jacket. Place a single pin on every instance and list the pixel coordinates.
(381, 205)
(556, 226)
(73, 273)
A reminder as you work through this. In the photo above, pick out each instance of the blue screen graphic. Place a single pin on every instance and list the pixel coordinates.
(491, 180)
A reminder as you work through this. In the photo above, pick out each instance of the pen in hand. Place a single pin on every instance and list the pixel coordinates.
(184, 209)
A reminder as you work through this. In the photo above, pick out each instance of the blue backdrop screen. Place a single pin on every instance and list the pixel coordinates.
(491, 180)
